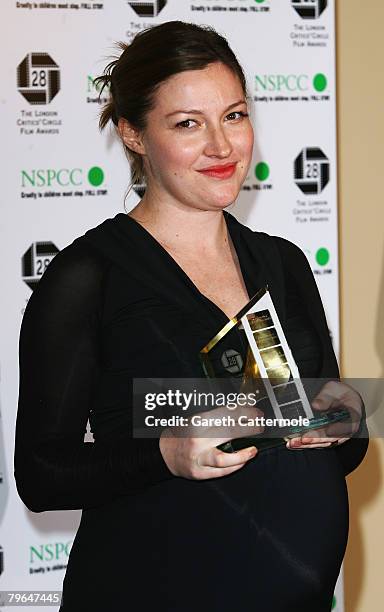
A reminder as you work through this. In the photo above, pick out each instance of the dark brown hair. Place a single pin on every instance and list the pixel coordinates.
(154, 55)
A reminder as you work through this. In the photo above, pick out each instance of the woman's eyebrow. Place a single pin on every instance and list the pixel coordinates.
(199, 112)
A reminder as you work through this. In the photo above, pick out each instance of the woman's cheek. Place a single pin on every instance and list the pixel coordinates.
(183, 157)
(248, 140)
(245, 152)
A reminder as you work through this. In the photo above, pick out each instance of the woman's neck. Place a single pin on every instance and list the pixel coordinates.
(183, 227)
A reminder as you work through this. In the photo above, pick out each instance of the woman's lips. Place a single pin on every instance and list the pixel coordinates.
(220, 172)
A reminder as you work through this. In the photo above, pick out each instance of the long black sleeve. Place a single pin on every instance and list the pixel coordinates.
(299, 275)
(59, 368)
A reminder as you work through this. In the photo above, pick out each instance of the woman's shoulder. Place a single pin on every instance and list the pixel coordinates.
(78, 258)
(289, 252)
(78, 267)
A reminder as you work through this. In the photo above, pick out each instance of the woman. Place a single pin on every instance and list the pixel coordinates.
(176, 523)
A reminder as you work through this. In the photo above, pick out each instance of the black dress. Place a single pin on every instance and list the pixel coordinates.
(268, 538)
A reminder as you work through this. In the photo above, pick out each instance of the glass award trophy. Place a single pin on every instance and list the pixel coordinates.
(252, 350)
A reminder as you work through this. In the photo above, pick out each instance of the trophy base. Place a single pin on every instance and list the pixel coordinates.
(279, 436)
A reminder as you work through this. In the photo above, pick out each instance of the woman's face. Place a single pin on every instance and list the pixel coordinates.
(198, 140)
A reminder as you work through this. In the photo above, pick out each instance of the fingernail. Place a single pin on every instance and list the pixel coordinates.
(293, 443)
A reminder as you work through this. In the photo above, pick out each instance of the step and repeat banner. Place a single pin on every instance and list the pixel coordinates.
(61, 177)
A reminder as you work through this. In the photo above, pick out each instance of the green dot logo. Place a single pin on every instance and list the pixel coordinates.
(333, 603)
(262, 171)
(259, 1)
(320, 82)
(322, 257)
(95, 176)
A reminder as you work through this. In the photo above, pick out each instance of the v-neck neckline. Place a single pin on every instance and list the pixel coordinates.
(182, 272)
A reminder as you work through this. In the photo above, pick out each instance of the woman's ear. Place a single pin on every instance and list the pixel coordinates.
(130, 136)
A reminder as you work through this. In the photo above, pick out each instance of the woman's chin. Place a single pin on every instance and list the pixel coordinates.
(221, 195)
(224, 200)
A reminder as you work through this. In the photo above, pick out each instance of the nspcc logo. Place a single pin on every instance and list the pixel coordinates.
(147, 9)
(290, 82)
(52, 551)
(38, 78)
(309, 9)
(61, 177)
(36, 260)
(311, 170)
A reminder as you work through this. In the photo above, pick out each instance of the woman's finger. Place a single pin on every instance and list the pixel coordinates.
(218, 459)
(335, 394)
(318, 440)
(303, 443)
(342, 429)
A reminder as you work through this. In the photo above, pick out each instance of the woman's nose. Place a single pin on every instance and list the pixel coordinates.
(218, 143)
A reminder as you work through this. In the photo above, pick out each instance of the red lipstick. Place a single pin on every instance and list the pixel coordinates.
(220, 172)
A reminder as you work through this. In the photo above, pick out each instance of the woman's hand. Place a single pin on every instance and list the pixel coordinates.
(197, 457)
(334, 395)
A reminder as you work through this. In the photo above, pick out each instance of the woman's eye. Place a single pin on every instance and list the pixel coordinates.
(237, 115)
(190, 123)
(187, 123)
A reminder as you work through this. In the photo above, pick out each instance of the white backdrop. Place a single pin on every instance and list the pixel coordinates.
(61, 177)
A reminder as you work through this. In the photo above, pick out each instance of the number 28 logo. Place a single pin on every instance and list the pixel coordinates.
(38, 78)
(311, 170)
(36, 260)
